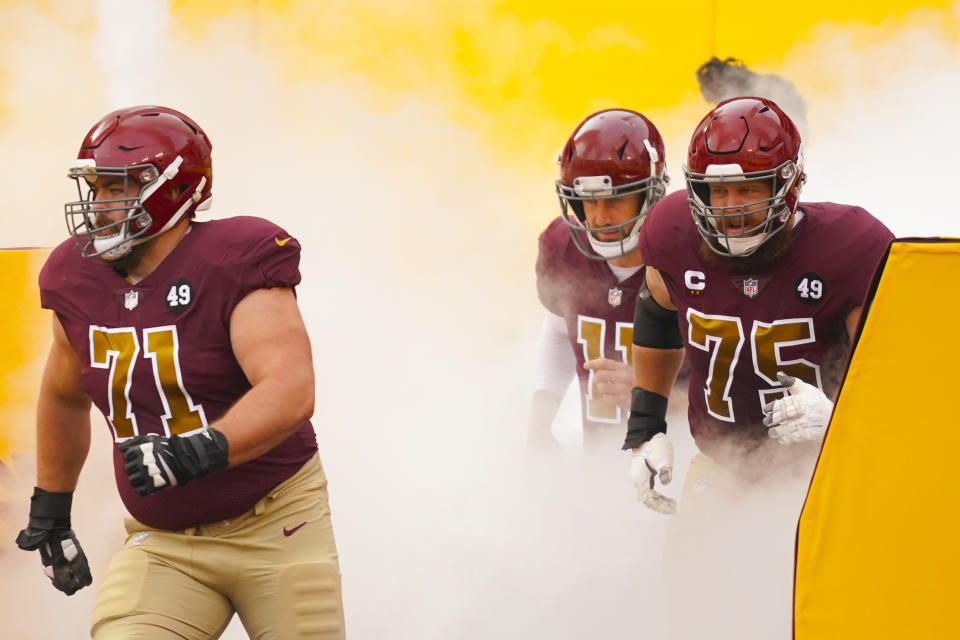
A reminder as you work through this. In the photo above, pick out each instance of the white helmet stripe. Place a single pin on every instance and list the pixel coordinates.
(654, 156)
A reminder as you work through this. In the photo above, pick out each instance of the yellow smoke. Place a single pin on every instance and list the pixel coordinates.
(522, 73)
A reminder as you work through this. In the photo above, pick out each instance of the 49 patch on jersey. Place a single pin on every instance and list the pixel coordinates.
(179, 295)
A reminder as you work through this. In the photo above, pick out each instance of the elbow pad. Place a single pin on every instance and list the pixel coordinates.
(654, 326)
(648, 417)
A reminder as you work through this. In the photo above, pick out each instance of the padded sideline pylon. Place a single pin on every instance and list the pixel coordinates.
(878, 542)
(25, 336)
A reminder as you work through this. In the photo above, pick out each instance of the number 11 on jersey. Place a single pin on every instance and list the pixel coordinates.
(591, 334)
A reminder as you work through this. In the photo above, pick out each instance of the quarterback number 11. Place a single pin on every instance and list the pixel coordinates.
(590, 335)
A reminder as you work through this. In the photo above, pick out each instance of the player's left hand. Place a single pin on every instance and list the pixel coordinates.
(612, 381)
(801, 415)
(157, 462)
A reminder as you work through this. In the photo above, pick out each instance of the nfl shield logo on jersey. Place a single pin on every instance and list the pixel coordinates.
(130, 300)
(751, 287)
(614, 297)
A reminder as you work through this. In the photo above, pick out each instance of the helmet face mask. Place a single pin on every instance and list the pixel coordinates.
(713, 220)
(744, 140)
(108, 239)
(611, 154)
(163, 160)
(585, 237)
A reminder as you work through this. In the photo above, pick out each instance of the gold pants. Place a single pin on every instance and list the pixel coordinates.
(275, 565)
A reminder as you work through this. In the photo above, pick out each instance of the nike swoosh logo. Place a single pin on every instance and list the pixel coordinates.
(290, 532)
(280, 242)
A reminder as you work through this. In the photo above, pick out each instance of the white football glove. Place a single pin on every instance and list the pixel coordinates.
(652, 459)
(800, 416)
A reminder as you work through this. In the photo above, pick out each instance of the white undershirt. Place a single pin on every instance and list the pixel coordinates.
(555, 364)
(622, 273)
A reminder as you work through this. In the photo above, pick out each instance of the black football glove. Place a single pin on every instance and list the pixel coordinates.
(49, 531)
(158, 462)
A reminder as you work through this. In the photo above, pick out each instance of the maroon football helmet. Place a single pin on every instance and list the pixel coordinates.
(744, 139)
(160, 150)
(610, 154)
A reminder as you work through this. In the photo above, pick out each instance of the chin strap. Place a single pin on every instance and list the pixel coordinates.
(742, 247)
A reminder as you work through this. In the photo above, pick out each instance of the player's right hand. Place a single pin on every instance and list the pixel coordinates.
(49, 531)
(155, 462)
(612, 381)
(651, 461)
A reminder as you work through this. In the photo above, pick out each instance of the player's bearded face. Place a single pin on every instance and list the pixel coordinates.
(747, 206)
(764, 256)
(109, 206)
(610, 212)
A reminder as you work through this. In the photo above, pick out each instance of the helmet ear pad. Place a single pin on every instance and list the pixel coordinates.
(577, 206)
(703, 192)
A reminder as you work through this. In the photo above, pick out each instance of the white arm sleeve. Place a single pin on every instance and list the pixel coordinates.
(556, 364)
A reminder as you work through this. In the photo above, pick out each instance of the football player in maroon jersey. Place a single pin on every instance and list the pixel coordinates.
(187, 337)
(761, 293)
(748, 283)
(612, 170)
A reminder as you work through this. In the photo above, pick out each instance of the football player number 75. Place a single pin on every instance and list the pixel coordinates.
(118, 350)
(723, 338)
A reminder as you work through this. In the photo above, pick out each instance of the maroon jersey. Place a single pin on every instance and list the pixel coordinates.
(597, 309)
(740, 329)
(156, 355)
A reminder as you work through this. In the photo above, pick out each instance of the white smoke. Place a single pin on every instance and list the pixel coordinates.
(130, 49)
(884, 139)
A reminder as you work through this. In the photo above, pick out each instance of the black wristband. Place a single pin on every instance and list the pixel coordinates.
(49, 510)
(648, 417)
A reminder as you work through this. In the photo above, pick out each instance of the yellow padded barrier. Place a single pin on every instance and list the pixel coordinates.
(25, 336)
(877, 542)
